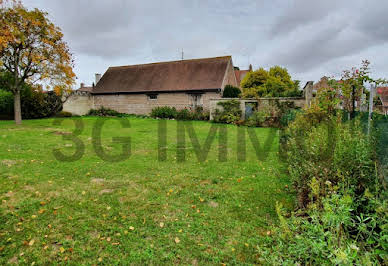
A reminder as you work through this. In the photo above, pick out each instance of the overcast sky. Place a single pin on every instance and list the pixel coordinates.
(311, 38)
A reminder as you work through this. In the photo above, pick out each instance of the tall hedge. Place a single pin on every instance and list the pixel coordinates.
(35, 104)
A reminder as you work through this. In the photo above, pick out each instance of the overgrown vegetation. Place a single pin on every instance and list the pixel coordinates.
(273, 114)
(230, 112)
(342, 200)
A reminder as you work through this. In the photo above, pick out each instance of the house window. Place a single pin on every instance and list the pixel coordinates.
(152, 97)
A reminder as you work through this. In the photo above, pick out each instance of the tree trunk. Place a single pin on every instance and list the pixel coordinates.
(17, 108)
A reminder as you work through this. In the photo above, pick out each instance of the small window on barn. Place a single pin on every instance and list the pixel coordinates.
(152, 96)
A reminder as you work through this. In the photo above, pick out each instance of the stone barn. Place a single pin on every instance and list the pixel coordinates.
(137, 89)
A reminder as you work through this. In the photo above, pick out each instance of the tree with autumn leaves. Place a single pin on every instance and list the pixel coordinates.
(32, 50)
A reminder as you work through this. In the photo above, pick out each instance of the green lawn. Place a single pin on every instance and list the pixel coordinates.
(139, 210)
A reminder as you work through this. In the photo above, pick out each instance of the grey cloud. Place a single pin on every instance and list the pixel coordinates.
(304, 35)
(302, 12)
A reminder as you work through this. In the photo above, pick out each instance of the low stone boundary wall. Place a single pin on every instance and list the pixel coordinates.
(259, 102)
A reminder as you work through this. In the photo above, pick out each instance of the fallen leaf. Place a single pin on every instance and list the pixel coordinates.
(45, 247)
(108, 239)
(31, 242)
(131, 228)
(161, 224)
(62, 249)
(83, 192)
(177, 240)
(99, 259)
(33, 216)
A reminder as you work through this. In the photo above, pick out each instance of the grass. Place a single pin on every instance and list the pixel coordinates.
(136, 211)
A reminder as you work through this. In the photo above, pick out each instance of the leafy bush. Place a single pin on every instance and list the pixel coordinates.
(64, 114)
(102, 111)
(6, 103)
(342, 217)
(332, 234)
(288, 117)
(231, 92)
(230, 113)
(272, 114)
(200, 114)
(184, 114)
(34, 102)
(164, 112)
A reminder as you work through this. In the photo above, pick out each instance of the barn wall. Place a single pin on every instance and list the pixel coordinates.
(140, 104)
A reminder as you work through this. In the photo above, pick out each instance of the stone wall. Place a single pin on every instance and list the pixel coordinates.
(298, 101)
(141, 104)
(79, 103)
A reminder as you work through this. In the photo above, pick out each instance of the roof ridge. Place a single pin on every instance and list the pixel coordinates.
(175, 61)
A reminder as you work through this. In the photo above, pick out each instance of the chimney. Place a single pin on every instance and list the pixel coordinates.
(82, 85)
(98, 77)
(250, 67)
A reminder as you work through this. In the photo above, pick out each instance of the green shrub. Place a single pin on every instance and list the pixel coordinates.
(6, 103)
(102, 111)
(184, 114)
(257, 119)
(200, 114)
(64, 114)
(330, 152)
(164, 112)
(288, 117)
(230, 113)
(331, 235)
(34, 103)
(231, 92)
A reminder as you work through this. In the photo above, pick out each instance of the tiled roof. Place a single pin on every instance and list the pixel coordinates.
(240, 74)
(183, 75)
(85, 89)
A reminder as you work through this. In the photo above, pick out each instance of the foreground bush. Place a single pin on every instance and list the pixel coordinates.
(185, 114)
(331, 235)
(102, 111)
(164, 112)
(230, 112)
